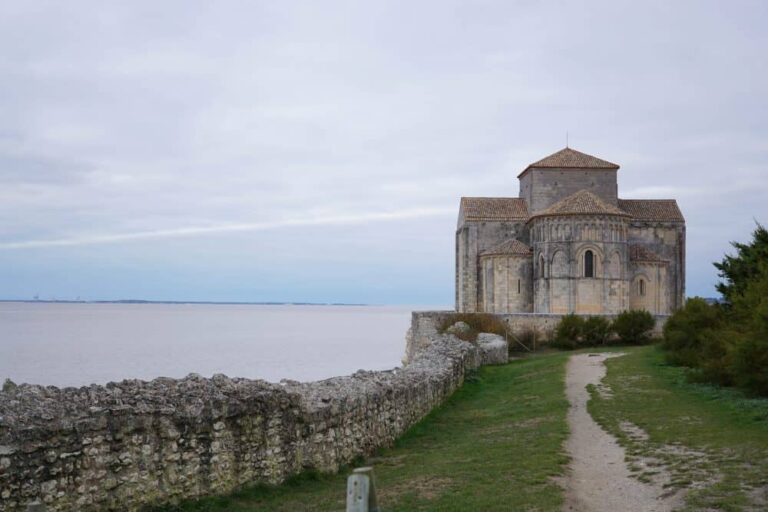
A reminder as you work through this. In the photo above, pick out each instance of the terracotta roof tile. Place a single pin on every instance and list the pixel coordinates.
(641, 253)
(493, 208)
(509, 247)
(652, 209)
(582, 202)
(571, 159)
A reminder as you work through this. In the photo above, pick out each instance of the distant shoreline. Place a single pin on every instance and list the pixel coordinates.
(179, 302)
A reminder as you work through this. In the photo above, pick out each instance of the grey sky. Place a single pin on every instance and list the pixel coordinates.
(317, 150)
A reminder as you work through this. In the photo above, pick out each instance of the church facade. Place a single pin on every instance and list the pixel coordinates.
(569, 244)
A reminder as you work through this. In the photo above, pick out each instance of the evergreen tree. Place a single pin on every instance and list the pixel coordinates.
(750, 355)
(739, 270)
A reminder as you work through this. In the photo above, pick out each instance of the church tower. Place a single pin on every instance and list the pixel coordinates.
(564, 173)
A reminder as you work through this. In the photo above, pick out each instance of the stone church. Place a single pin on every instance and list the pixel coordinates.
(569, 244)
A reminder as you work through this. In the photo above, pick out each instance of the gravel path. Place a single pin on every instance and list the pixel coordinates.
(598, 478)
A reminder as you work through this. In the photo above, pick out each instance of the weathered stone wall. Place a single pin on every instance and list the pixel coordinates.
(667, 240)
(542, 188)
(560, 284)
(545, 323)
(423, 332)
(506, 283)
(129, 444)
(650, 287)
(472, 238)
(424, 327)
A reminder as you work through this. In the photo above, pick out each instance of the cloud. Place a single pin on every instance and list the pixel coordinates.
(36, 169)
(146, 120)
(337, 220)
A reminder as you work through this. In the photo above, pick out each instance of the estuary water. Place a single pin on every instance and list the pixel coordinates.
(79, 344)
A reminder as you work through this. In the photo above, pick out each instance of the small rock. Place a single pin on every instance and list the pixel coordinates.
(459, 328)
(493, 348)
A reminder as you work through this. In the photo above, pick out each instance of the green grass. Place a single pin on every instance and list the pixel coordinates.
(494, 445)
(712, 441)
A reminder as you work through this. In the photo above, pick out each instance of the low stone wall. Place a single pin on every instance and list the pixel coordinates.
(126, 445)
(545, 323)
(424, 327)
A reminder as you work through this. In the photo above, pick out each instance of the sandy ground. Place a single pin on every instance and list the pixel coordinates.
(598, 478)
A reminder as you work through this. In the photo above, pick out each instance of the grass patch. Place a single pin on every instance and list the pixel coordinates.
(494, 445)
(712, 441)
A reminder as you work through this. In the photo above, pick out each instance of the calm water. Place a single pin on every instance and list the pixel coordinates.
(77, 344)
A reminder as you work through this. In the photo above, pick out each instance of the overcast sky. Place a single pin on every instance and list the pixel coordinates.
(316, 151)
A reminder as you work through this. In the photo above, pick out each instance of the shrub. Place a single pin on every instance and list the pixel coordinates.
(715, 363)
(568, 332)
(596, 331)
(477, 322)
(749, 362)
(9, 386)
(728, 344)
(634, 327)
(687, 331)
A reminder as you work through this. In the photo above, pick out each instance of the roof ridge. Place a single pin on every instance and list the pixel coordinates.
(582, 202)
(510, 246)
(655, 199)
(569, 158)
(498, 197)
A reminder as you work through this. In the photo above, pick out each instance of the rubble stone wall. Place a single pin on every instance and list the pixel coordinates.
(424, 327)
(127, 445)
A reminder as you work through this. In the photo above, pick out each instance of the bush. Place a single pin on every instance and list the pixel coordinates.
(9, 386)
(596, 331)
(724, 346)
(716, 357)
(568, 332)
(749, 362)
(728, 344)
(477, 322)
(574, 331)
(688, 330)
(634, 327)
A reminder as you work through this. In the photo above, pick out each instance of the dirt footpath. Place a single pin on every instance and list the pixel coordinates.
(598, 478)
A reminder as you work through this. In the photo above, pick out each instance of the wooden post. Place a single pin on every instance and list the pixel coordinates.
(361, 491)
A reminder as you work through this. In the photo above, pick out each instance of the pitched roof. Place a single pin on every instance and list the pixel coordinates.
(652, 209)
(571, 159)
(582, 202)
(493, 208)
(641, 253)
(509, 247)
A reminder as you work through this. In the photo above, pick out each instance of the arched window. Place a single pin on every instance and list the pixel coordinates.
(541, 266)
(589, 264)
(641, 287)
